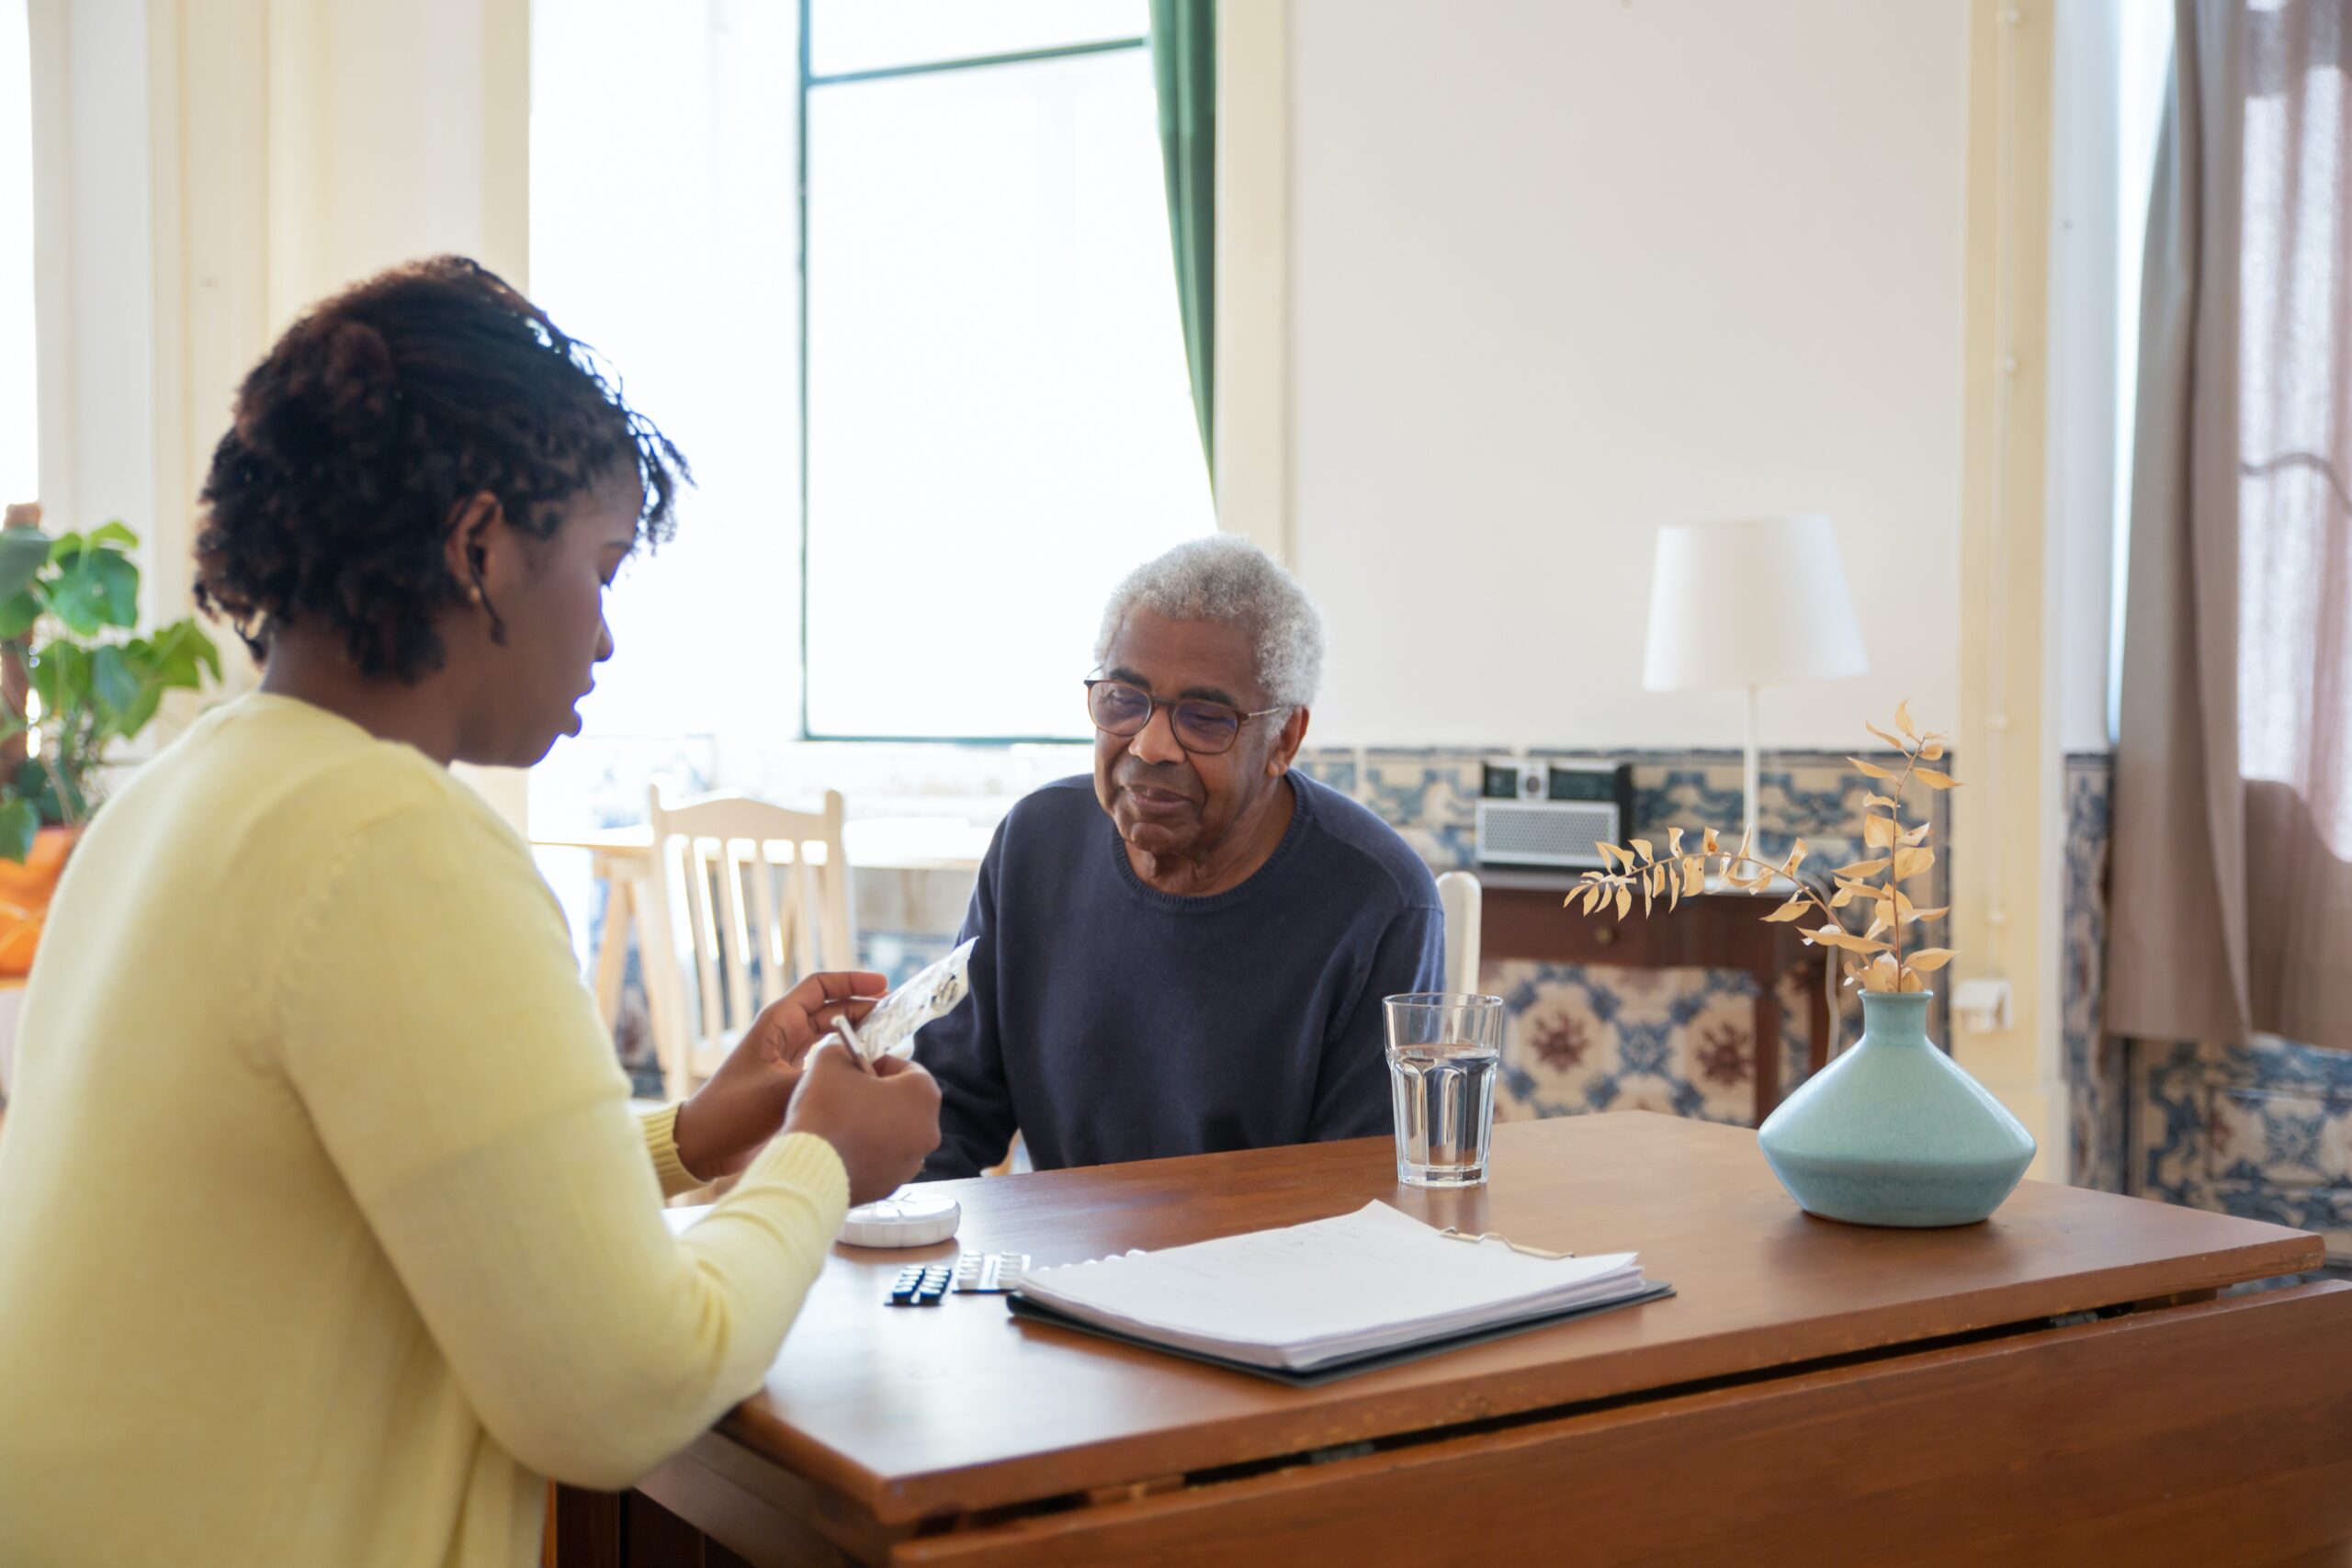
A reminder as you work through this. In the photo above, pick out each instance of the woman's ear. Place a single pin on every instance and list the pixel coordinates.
(476, 528)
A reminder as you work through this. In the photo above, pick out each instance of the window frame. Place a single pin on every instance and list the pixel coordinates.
(812, 81)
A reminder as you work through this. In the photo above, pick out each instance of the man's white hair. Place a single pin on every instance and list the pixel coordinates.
(1227, 579)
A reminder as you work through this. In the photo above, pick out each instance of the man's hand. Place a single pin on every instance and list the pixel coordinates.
(732, 1118)
(881, 1119)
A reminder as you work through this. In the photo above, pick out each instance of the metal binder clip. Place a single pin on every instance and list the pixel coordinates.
(1450, 1233)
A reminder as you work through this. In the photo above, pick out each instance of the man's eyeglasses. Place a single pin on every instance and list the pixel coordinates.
(1201, 727)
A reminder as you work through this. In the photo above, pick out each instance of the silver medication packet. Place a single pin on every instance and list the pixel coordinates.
(889, 1028)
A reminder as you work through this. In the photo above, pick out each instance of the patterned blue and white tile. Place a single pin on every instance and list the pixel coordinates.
(2092, 1062)
(1583, 1038)
(2263, 1129)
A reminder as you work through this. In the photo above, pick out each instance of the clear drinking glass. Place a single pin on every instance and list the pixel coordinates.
(1442, 1051)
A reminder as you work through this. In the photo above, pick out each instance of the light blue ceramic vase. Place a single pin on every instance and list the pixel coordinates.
(1893, 1133)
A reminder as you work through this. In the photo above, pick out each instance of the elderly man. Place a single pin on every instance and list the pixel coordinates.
(1187, 952)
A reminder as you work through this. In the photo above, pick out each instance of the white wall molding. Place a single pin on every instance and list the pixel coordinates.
(207, 169)
(1252, 325)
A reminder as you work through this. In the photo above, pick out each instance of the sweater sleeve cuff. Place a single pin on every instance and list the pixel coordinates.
(661, 1147)
(808, 1165)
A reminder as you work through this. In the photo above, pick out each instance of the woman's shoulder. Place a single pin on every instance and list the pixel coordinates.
(290, 786)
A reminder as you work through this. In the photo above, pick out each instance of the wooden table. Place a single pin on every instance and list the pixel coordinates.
(1817, 1394)
(1721, 929)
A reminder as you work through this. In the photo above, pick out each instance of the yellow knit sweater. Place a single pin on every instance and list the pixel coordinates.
(326, 1231)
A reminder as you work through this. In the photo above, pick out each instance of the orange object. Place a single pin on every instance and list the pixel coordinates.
(25, 892)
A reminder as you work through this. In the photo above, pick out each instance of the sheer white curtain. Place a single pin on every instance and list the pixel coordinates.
(2233, 907)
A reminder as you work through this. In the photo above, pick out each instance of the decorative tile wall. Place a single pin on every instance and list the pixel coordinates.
(2263, 1129)
(1589, 1038)
(2094, 1064)
(1430, 797)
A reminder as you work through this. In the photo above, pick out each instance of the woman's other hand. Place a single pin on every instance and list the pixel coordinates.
(722, 1124)
(881, 1119)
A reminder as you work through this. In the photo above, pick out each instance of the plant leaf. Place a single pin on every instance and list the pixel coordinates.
(1878, 924)
(1895, 742)
(1711, 846)
(1932, 751)
(1930, 958)
(112, 684)
(1624, 902)
(1694, 874)
(1878, 832)
(1909, 863)
(95, 589)
(1642, 847)
(1935, 780)
(20, 821)
(1913, 917)
(23, 552)
(1872, 801)
(1911, 981)
(1915, 835)
(114, 533)
(1862, 868)
(1844, 896)
(1872, 769)
(1674, 841)
(1796, 859)
(1794, 909)
(1903, 719)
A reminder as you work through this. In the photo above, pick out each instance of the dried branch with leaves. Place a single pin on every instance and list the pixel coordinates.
(1899, 851)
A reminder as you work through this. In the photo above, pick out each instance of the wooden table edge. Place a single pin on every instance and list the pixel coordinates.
(1760, 1354)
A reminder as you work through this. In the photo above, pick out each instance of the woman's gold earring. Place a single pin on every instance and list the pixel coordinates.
(473, 593)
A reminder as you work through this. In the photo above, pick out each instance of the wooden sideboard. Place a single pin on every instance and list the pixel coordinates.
(1719, 929)
(2060, 1384)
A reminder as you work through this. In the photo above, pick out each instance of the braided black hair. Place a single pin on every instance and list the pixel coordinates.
(377, 416)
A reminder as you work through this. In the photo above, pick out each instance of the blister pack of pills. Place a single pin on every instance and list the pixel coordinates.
(889, 1028)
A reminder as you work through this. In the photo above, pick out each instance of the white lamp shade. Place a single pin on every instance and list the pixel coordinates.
(1760, 603)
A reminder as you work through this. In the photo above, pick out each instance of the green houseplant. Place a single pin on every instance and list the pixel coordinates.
(75, 683)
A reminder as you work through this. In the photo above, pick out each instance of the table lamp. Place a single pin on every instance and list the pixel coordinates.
(1739, 605)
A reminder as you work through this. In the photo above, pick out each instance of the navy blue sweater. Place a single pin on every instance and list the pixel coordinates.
(1112, 1021)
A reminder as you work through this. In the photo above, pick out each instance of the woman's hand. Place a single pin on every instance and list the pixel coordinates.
(881, 1118)
(725, 1122)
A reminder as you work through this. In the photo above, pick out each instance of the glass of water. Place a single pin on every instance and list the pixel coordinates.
(1442, 1051)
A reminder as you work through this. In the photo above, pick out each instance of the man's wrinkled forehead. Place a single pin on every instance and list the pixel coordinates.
(1172, 659)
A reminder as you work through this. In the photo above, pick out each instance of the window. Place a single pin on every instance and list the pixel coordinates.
(2142, 63)
(997, 415)
(20, 436)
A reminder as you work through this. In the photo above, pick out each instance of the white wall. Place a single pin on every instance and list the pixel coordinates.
(206, 169)
(1562, 272)
(94, 300)
(2085, 168)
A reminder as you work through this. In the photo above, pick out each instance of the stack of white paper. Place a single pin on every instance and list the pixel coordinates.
(1327, 1291)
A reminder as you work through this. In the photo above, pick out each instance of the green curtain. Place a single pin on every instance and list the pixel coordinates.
(1183, 69)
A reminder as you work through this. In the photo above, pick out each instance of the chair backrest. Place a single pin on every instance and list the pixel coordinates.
(1459, 896)
(765, 893)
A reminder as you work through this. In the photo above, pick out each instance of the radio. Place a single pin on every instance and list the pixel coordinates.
(1551, 814)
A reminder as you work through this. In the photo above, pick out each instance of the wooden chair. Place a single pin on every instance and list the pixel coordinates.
(1460, 895)
(766, 900)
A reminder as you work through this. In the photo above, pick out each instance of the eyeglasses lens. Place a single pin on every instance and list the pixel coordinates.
(1120, 710)
(1205, 727)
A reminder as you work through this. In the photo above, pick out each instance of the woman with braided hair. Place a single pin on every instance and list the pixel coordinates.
(327, 1233)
